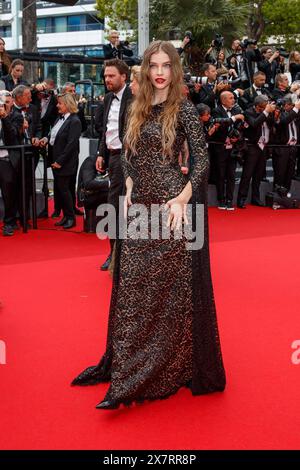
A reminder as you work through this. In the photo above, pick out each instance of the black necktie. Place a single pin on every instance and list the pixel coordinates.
(62, 117)
(115, 98)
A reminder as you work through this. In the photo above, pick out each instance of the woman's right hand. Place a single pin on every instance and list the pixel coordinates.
(127, 200)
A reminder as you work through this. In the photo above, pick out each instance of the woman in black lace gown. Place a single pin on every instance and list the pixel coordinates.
(162, 331)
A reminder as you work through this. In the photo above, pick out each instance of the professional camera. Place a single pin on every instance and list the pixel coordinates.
(280, 104)
(222, 79)
(248, 42)
(189, 34)
(283, 53)
(191, 80)
(218, 42)
(123, 44)
(240, 144)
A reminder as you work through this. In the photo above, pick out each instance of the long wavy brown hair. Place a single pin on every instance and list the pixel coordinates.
(142, 105)
(4, 57)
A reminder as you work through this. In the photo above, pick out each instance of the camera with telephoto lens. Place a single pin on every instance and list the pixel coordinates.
(218, 42)
(283, 53)
(248, 42)
(240, 144)
(280, 104)
(191, 80)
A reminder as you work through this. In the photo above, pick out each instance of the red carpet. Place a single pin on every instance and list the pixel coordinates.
(53, 321)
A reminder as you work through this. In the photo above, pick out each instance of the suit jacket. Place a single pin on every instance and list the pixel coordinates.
(50, 115)
(249, 95)
(65, 150)
(205, 95)
(111, 52)
(10, 136)
(282, 135)
(250, 56)
(255, 121)
(126, 99)
(10, 84)
(221, 134)
(270, 70)
(33, 118)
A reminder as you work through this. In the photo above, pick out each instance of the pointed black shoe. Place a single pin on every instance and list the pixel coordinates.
(108, 405)
(106, 264)
(61, 222)
(91, 376)
(69, 223)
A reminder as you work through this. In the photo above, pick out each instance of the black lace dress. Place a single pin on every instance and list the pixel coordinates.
(162, 331)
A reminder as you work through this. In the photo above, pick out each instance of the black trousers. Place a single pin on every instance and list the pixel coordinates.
(254, 167)
(57, 201)
(62, 184)
(284, 163)
(225, 172)
(116, 184)
(8, 185)
(29, 156)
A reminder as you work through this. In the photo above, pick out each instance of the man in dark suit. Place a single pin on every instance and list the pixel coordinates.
(260, 121)
(241, 61)
(31, 133)
(116, 102)
(287, 133)
(8, 166)
(225, 163)
(209, 92)
(281, 86)
(114, 49)
(271, 64)
(258, 88)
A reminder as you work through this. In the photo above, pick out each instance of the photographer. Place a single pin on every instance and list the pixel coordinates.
(210, 89)
(258, 88)
(116, 48)
(281, 86)
(287, 133)
(294, 64)
(230, 115)
(244, 54)
(45, 99)
(184, 50)
(260, 120)
(217, 45)
(8, 165)
(210, 126)
(271, 64)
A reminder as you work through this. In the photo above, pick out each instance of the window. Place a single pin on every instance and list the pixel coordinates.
(5, 31)
(75, 22)
(60, 24)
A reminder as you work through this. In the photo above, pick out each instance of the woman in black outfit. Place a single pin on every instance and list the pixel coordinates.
(5, 60)
(14, 78)
(64, 151)
(294, 64)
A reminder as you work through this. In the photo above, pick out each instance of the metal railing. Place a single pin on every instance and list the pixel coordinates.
(56, 5)
(70, 28)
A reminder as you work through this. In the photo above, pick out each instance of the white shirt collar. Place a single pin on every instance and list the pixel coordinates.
(120, 93)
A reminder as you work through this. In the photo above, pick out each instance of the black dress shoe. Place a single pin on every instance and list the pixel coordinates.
(43, 214)
(55, 215)
(108, 405)
(257, 202)
(78, 211)
(69, 223)
(241, 204)
(61, 222)
(106, 264)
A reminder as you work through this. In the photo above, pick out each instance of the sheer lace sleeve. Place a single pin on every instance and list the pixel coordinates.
(125, 164)
(197, 145)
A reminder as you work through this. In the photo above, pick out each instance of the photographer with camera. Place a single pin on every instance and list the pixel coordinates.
(184, 50)
(272, 63)
(8, 164)
(210, 88)
(231, 114)
(287, 127)
(260, 120)
(258, 88)
(116, 48)
(218, 58)
(281, 86)
(244, 54)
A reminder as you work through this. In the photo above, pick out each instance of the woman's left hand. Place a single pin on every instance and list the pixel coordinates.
(178, 213)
